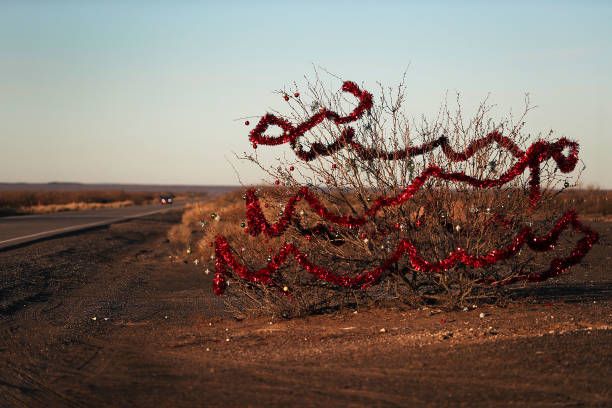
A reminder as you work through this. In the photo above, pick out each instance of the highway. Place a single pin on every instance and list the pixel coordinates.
(20, 230)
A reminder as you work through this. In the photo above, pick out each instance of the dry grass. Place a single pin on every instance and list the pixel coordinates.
(29, 202)
(198, 229)
(592, 203)
(53, 208)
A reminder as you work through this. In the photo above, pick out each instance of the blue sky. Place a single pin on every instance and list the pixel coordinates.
(147, 91)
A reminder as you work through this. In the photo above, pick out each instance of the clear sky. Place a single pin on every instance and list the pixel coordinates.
(147, 91)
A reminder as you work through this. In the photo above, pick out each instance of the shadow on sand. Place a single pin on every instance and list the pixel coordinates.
(566, 292)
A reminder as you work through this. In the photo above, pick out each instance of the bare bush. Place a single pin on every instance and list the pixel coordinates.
(441, 217)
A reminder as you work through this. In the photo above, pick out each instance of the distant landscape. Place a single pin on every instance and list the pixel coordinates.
(27, 198)
(155, 188)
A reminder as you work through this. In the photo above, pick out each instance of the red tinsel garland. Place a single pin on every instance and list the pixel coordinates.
(225, 259)
(532, 158)
(537, 152)
(291, 134)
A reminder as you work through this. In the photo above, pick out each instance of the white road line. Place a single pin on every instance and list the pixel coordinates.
(81, 226)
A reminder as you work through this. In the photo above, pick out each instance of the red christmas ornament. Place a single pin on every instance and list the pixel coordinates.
(277, 182)
(334, 166)
(297, 94)
(291, 168)
(247, 123)
(286, 98)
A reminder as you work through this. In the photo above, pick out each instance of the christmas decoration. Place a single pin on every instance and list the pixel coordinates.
(536, 154)
(530, 159)
(225, 259)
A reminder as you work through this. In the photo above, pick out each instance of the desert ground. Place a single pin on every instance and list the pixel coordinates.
(112, 317)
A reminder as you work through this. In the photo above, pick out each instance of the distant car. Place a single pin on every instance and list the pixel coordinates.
(166, 199)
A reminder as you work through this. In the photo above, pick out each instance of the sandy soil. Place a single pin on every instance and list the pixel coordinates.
(108, 318)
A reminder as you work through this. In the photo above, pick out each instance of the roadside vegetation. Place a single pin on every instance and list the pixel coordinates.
(348, 169)
(592, 203)
(33, 202)
(225, 215)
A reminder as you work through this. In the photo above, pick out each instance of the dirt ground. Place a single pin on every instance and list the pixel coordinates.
(108, 317)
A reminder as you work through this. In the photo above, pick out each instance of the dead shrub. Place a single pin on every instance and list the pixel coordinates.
(441, 217)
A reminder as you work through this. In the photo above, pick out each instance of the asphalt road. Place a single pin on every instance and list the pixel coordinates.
(20, 230)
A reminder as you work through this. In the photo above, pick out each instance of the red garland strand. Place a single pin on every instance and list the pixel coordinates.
(291, 134)
(225, 259)
(537, 152)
